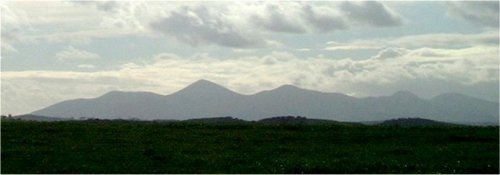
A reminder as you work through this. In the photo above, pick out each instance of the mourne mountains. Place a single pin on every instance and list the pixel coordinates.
(206, 99)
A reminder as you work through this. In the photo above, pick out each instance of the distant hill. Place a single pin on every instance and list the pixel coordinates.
(206, 99)
(294, 120)
(216, 120)
(31, 117)
(413, 122)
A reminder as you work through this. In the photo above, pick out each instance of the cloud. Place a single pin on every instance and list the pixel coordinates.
(356, 45)
(444, 40)
(15, 23)
(124, 15)
(438, 40)
(372, 13)
(279, 18)
(76, 22)
(477, 12)
(303, 49)
(72, 54)
(235, 24)
(86, 66)
(244, 25)
(202, 25)
(324, 19)
(390, 53)
(106, 6)
(8, 48)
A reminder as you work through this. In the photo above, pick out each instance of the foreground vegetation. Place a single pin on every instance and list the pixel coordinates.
(183, 147)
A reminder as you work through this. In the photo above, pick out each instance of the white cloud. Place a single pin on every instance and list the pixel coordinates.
(390, 53)
(76, 22)
(8, 48)
(72, 54)
(444, 40)
(86, 66)
(477, 12)
(303, 49)
(438, 40)
(107, 6)
(14, 24)
(356, 45)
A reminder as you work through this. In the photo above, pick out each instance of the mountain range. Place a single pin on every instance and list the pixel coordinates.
(206, 99)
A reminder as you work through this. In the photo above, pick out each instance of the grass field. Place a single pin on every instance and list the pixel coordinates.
(149, 147)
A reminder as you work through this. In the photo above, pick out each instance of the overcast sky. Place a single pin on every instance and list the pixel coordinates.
(60, 50)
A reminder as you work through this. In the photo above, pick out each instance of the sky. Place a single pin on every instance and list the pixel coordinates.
(59, 50)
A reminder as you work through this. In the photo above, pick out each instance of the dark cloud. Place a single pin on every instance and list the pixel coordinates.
(371, 13)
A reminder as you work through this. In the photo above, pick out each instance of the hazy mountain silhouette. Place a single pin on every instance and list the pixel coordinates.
(414, 122)
(30, 117)
(216, 120)
(206, 99)
(286, 120)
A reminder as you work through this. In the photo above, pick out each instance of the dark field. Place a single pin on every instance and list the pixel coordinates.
(149, 147)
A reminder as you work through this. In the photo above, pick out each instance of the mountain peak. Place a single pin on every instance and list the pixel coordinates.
(404, 94)
(203, 86)
(287, 87)
(203, 82)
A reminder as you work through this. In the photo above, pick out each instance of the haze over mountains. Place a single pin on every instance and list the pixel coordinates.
(206, 99)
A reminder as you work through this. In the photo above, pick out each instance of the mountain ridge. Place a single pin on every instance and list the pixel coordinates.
(207, 99)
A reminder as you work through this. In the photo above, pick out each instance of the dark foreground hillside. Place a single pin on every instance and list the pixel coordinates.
(149, 147)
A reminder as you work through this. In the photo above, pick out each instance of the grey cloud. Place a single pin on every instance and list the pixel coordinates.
(323, 23)
(302, 17)
(277, 20)
(202, 26)
(105, 6)
(371, 12)
(477, 12)
(241, 25)
(331, 17)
